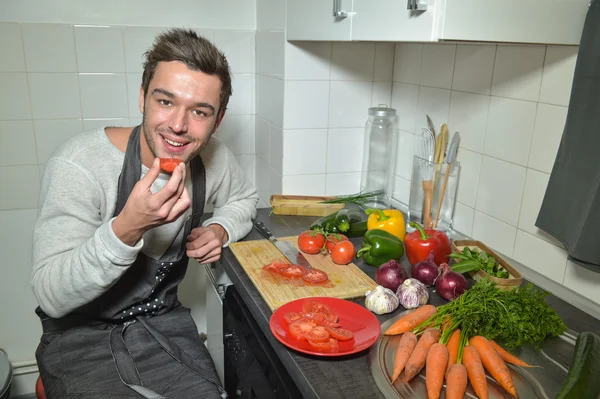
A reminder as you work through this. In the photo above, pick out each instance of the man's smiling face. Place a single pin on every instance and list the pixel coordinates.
(181, 111)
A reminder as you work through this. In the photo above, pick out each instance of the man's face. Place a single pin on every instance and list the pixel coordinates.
(181, 111)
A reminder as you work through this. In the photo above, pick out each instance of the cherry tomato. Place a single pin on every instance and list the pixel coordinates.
(293, 271)
(311, 242)
(290, 317)
(341, 334)
(169, 164)
(343, 252)
(331, 346)
(318, 334)
(333, 239)
(300, 327)
(315, 276)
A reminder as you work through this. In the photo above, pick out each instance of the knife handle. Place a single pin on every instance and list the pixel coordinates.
(262, 229)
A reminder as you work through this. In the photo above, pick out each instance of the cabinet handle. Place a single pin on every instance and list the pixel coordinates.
(416, 5)
(337, 12)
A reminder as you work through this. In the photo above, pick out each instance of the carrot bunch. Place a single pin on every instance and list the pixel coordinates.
(448, 355)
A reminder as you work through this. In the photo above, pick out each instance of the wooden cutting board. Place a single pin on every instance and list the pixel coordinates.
(347, 281)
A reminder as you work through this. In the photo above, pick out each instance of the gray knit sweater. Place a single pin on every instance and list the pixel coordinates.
(76, 254)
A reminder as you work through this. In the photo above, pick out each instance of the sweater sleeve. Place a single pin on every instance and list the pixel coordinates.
(76, 255)
(233, 196)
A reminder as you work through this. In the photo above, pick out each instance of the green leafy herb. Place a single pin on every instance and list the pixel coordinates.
(515, 317)
(361, 199)
(472, 260)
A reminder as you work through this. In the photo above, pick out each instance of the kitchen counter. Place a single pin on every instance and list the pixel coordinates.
(345, 376)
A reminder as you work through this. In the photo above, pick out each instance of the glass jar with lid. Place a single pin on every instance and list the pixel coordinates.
(379, 155)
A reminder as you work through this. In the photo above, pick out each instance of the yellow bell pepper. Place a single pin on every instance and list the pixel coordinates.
(390, 220)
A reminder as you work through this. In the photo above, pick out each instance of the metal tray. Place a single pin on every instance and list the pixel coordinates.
(542, 382)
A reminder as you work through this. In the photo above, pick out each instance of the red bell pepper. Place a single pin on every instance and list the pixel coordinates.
(421, 242)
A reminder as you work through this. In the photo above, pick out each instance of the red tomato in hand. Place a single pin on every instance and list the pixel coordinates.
(169, 164)
(311, 242)
(343, 252)
(333, 239)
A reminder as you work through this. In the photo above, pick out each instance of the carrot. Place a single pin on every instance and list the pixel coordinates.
(417, 359)
(453, 348)
(435, 369)
(405, 348)
(411, 320)
(509, 357)
(456, 382)
(494, 364)
(475, 371)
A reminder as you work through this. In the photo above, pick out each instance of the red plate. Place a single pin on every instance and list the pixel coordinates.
(351, 316)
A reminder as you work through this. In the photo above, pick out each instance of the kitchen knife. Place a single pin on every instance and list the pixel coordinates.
(285, 247)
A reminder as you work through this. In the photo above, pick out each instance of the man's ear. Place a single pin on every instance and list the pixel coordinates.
(220, 116)
(141, 102)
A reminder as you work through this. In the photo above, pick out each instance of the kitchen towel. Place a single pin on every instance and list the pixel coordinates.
(570, 210)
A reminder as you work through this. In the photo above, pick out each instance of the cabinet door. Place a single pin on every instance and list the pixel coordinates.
(532, 21)
(314, 20)
(391, 20)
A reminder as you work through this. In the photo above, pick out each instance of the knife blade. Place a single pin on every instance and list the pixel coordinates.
(285, 247)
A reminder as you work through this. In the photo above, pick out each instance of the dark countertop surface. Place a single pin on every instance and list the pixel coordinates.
(345, 376)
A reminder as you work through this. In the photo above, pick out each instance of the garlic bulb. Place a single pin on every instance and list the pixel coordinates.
(412, 293)
(381, 301)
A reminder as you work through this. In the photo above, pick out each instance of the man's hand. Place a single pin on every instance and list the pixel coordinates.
(204, 243)
(145, 210)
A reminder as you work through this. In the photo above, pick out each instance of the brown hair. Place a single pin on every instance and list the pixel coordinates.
(198, 53)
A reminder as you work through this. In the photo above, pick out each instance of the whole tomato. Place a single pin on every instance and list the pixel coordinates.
(343, 252)
(311, 242)
(333, 239)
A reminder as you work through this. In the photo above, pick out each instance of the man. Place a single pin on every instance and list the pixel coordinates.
(114, 235)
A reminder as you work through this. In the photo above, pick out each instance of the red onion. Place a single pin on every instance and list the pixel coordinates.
(425, 271)
(450, 284)
(390, 275)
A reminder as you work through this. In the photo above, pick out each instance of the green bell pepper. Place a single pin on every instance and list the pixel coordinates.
(379, 246)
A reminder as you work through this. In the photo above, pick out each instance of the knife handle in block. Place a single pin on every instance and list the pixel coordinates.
(262, 229)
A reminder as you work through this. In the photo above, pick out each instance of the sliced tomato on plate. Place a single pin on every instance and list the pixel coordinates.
(320, 311)
(329, 346)
(293, 271)
(300, 327)
(317, 334)
(341, 334)
(315, 276)
(290, 317)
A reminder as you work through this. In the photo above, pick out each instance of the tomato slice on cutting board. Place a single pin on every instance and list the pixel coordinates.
(293, 271)
(315, 276)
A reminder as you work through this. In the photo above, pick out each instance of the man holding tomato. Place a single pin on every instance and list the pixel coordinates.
(116, 230)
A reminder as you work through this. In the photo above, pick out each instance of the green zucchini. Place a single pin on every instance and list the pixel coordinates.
(582, 378)
(357, 229)
(324, 221)
(345, 218)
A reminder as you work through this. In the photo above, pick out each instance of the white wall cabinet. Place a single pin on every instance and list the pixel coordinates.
(510, 21)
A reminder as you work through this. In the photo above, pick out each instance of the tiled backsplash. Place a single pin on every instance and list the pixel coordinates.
(508, 102)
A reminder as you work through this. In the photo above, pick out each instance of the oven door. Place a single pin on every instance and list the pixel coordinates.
(217, 282)
(252, 368)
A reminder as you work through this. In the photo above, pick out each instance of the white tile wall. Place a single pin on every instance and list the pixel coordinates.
(509, 104)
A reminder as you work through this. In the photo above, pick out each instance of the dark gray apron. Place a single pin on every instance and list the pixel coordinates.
(136, 340)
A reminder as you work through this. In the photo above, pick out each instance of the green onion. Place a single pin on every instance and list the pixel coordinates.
(361, 199)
